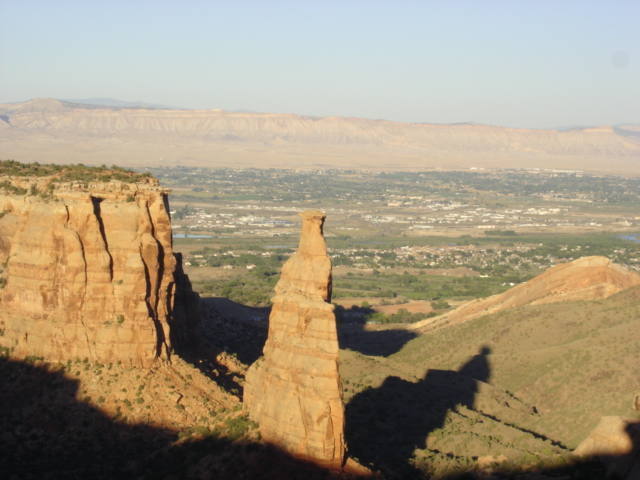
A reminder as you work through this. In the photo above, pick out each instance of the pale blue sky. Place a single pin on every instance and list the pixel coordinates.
(516, 63)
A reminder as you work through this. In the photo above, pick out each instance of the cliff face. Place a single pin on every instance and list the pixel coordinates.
(294, 390)
(88, 271)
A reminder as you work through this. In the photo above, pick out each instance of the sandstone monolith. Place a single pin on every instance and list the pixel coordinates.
(88, 271)
(293, 391)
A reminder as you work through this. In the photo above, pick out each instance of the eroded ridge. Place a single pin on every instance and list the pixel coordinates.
(88, 270)
(293, 391)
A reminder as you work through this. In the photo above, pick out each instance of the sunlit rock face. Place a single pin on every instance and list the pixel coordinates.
(294, 390)
(88, 272)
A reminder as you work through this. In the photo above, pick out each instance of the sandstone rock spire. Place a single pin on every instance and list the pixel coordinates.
(294, 390)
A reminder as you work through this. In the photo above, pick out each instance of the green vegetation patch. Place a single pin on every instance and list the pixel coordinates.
(70, 173)
(418, 286)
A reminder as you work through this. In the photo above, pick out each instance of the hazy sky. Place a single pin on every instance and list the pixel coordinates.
(517, 63)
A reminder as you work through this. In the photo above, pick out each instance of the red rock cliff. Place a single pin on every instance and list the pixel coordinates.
(294, 390)
(88, 271)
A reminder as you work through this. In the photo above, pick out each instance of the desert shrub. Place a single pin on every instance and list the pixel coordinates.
(69, 173)
(237, 427)
(440, 304)
(401, 316)
(9, 188)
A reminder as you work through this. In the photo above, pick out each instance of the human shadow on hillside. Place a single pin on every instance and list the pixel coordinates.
(385, 425)
(353, 334)
(46, 432)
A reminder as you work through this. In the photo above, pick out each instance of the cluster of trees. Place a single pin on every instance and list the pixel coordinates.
(263, 263)
(253, 289)
(401, 316)
(7, 187)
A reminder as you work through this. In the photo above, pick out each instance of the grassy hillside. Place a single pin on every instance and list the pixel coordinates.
(574, 362)
(520, 388)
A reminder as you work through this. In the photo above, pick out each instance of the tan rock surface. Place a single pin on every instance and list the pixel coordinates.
(587, 278)
(616, 442)
(89, 272)
(610, 437)
(294, 390)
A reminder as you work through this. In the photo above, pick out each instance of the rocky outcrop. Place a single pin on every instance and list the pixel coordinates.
(88, 270)
(294, 390)
(587, 278)
(616, 442)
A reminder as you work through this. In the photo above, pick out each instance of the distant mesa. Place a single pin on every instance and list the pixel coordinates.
(135, 133)
(587, 278)
(114, 103)
(294, 392)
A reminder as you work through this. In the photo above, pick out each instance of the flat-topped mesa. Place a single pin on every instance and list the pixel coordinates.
(88, 270)
(294, 390)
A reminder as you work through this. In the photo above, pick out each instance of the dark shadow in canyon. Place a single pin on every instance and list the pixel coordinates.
(240, 331)
(235, 328)
(223, 328)
(204, 329)
(384, 425)
(353, 333)
(46, 432)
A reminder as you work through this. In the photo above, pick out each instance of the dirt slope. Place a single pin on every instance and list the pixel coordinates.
(587, 278)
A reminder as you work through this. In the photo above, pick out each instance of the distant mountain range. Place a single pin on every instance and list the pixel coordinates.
(114, 102)
(102, 130)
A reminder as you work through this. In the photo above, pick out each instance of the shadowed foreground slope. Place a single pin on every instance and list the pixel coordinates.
(48, 433)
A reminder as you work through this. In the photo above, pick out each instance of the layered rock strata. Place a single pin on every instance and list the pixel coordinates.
(88, 271)
(294, 390)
